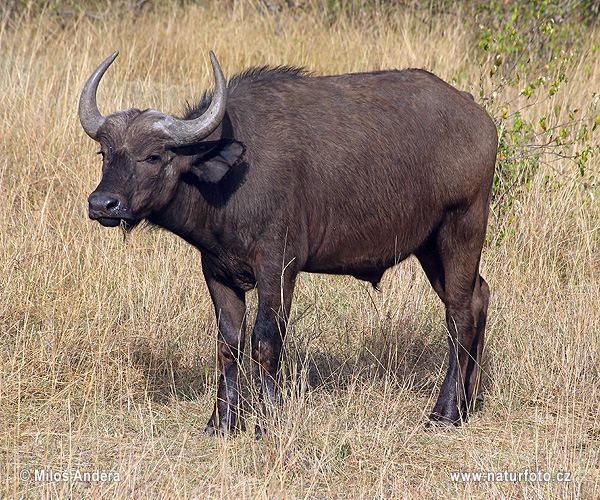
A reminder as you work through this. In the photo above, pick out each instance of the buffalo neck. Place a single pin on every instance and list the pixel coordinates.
(191, 213)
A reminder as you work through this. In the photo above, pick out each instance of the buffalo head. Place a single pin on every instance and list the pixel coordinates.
(144, 153)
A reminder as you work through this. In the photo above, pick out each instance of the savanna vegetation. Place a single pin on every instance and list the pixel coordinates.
(107, 343)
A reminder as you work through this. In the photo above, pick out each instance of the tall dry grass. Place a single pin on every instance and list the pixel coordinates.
(107, 345)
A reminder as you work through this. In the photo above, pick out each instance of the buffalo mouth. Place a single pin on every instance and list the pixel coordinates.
(126, 224)
(109, 221)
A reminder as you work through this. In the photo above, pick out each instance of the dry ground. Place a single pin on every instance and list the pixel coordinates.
(107, 346)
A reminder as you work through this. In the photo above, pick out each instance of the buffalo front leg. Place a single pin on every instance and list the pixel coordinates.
(230, 308)
(274, 301)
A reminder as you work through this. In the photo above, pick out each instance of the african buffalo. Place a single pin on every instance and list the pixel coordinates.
(279, 171)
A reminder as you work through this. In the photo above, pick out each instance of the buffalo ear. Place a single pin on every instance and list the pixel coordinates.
(213, 166)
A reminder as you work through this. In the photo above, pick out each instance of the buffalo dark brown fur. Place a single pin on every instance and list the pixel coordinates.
(290, 172)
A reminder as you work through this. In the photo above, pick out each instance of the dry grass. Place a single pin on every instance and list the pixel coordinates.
(107, 347)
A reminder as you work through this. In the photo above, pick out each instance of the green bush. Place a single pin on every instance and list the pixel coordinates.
(529, 50)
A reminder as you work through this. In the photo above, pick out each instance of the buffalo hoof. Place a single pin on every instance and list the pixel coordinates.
(478, 403)
(212, 429)
(440, 422)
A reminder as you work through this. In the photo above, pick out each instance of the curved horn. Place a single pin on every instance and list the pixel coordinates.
(186, 132)
(89, 116)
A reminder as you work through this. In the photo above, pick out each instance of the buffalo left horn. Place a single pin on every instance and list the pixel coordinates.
(187, 132)
(89, 116)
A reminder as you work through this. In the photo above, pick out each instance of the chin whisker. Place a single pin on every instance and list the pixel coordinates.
(124, 230)
(127, 227)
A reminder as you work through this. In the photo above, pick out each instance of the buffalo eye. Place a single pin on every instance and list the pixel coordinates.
(103, 154)
(152, 159)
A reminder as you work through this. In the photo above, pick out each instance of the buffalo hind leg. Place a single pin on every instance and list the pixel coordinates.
(481, 299)
(450, 259)
(274, 301)
(230, 308)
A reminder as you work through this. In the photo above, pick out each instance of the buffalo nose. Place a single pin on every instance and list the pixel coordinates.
(104, 204)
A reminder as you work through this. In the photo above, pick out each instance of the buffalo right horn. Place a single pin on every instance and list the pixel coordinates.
(89, 116)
